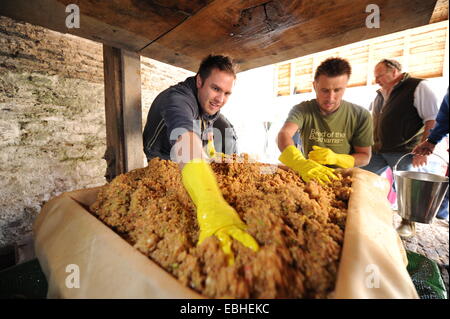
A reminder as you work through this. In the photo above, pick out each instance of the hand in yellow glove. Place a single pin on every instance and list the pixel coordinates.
(214, 215)
(308, 169)
(210, 149)
(218, 157)
(323, 155)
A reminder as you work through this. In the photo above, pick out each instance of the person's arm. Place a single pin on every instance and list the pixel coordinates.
(363, 136)
(188, 147)
(428, 126)
(362, 155)
(425, 148)
(214, 215)
(426, 103)
(437, 133)
(441, 127)
(285, 135)
(420, 160)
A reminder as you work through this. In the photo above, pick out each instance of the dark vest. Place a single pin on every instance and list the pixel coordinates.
(397, 126)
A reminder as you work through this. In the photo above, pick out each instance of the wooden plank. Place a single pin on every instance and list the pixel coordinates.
(51, 14)
(126, 24)
(303, 75)
(115, 150)
(149, 19)
(428, 60)
(132, 110)
(254, 32)
(446, 58)
(275, 31)
(283, 79)
(122, 111)
(440, 12)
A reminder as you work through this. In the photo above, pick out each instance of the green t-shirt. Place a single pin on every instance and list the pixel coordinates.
(351, 125)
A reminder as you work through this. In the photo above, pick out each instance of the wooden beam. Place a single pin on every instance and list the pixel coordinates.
(52, 14)
(123, 111)
(254, 32)
(269, 32)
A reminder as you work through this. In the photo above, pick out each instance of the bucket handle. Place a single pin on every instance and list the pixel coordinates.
(395, 166)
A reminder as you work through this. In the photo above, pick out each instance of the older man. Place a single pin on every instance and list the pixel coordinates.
(333, 132)
(403, 112)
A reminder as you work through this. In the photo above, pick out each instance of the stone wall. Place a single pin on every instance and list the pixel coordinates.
(52, 122)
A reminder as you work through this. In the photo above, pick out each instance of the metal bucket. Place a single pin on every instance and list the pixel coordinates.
(419, 195)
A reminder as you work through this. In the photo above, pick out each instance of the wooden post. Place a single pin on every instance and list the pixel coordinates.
(122, 76)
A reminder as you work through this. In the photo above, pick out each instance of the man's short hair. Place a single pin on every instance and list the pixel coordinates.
(391, 64)
(221, 62)
(333, 67)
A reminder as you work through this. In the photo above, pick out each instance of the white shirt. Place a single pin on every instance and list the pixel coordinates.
(426, 102)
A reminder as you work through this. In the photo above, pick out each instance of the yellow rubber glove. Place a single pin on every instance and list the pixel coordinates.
(308, 169)
(216, 156)
(214, 215)
(210, 149)
(323, 155)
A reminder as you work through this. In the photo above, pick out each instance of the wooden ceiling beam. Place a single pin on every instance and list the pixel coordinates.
(274, 31)
(126, 24)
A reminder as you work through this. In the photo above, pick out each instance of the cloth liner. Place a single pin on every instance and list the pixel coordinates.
(72, 244)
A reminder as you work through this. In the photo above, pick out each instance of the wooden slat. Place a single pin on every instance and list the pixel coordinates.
(421, 52)
(359, 75)
(303, 75)
(284, 80)
(427, 74)
(425, 59)
(427, 48)
(427, 53)
(424, 34)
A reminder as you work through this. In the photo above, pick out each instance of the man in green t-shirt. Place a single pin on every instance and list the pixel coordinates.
(333, 132)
